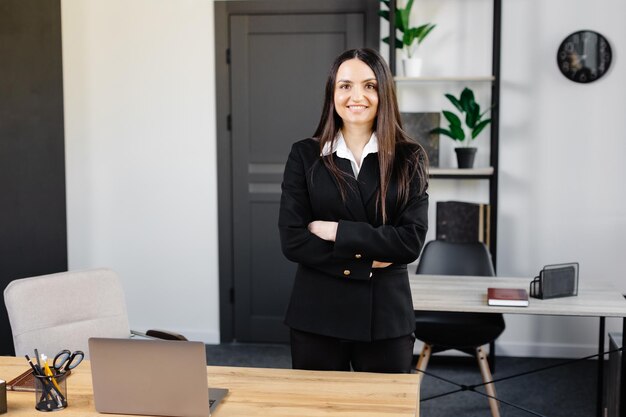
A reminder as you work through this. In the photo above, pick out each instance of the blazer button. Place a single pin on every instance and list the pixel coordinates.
(346, 272)
(357, 256)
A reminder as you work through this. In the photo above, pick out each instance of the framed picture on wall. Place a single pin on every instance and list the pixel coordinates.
(419, 126)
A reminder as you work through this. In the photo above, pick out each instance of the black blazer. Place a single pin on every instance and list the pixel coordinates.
(336, 291)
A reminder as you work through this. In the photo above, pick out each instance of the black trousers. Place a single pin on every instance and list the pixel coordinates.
(322, 353)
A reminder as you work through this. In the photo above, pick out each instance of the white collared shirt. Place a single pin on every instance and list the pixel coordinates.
(344, 152)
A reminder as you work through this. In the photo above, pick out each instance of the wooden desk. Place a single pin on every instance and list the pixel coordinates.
(257, 392)
(469, 294)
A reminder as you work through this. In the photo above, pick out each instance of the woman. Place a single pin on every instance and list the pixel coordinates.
(353, 213)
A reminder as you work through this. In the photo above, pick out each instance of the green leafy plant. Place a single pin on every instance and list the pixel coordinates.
(470, 111)
(410, 35)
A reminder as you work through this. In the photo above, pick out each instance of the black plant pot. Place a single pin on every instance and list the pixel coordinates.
(465, 157)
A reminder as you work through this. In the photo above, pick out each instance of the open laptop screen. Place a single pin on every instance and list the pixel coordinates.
(153, 377)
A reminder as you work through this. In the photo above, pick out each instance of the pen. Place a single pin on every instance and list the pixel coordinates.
(36, 371)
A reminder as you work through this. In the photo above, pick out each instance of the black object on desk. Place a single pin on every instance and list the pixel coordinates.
(3, 397)
(560, 280)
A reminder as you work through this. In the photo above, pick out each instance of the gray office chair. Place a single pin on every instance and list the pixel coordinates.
(466, 332)
(62, 311)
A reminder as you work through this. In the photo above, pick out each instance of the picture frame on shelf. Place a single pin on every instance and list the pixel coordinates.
(419, 126)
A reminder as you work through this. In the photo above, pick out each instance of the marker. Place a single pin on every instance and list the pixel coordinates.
(37, 357)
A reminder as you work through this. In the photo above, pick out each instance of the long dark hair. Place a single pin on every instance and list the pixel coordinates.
(388, 128)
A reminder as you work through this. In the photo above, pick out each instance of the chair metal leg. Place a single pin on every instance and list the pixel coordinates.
(422, 362)
(487, 377)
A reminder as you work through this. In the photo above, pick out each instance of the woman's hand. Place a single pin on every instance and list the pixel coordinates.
(324, 230)
(328, 231)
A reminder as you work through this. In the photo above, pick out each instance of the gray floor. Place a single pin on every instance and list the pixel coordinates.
(566, 391)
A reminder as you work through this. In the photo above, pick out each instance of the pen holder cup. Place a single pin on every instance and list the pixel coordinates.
(50, 392)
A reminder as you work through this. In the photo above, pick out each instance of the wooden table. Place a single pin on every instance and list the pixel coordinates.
(469, 294)
(258, 392)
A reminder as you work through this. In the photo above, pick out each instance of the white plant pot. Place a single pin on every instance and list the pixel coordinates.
(412, 67)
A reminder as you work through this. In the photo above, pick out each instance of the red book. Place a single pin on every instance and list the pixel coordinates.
(516, 297)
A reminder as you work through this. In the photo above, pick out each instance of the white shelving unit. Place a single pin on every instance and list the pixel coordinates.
(461, 173)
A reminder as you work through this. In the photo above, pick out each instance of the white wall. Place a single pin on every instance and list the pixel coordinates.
(561, 195)
(141, 155)
(561, 162)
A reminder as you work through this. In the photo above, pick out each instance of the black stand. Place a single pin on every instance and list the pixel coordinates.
(622, 381)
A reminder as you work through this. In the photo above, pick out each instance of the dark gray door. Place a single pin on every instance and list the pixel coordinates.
(279, 64)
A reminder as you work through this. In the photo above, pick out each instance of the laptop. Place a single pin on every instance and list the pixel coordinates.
(151, 377)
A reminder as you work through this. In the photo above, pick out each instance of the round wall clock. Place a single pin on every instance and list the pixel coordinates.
(584, 56)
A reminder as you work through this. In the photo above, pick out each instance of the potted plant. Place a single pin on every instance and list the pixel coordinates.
(464, 132)
(412, 37)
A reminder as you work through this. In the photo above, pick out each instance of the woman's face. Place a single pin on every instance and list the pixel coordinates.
(356, 94)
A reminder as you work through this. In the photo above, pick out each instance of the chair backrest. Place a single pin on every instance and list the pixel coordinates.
(61, 311)
(446, 258)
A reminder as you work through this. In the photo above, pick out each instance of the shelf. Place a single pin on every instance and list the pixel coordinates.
(486, 78)
(414, 85)
(456, 173)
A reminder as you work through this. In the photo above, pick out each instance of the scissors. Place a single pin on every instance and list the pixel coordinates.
(65, 360)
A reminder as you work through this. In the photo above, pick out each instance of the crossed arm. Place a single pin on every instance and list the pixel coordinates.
(336, 247)
(328, 231)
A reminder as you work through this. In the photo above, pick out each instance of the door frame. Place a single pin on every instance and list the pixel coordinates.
(222, 12)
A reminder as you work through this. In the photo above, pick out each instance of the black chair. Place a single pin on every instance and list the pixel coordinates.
(466, 332)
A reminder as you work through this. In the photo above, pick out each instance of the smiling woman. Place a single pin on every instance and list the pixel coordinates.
(353, 213)
(356, 99)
